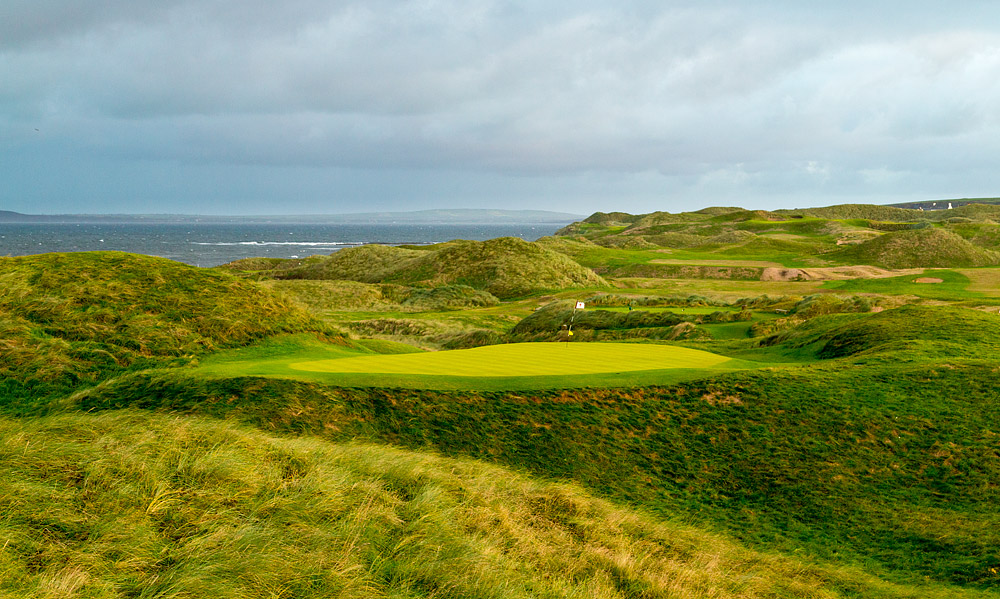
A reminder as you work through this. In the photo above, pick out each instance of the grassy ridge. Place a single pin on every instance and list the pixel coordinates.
(877, 452)
(142, 505)
(927, 247)
(326, 296)
(625, 245)
(910, 333)
(70, 319)
(505, 267)
(887, 465)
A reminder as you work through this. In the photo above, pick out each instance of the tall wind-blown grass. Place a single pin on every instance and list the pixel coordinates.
(133, 504)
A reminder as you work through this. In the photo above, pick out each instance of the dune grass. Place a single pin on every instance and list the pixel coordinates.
(878, 452)
(133, 504)
(506, 267)
(953, 286)
(888, 466)
(68, 320)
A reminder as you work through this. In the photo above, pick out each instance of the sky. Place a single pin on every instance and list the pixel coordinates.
(339, 106)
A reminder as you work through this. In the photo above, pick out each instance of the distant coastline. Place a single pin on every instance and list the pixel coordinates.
(210, 243)
(418, 217)
(944, 204)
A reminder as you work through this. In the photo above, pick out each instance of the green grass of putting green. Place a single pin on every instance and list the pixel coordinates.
(524, 359)
(953, 285)
(496, 367)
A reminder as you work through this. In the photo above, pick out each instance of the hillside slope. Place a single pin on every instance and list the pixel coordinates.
(926, 247)
(849, 234)
(144, 505)
(883, 454)
(505, 267)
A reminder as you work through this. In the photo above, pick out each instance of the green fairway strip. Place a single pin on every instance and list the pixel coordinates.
(524, 359)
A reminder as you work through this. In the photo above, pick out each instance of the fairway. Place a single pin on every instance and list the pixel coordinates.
(524, 359)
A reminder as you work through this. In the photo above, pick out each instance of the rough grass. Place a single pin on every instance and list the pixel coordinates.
(929, 247)
(505, 267)
(727, 238)
(142, 505)
(323, 297)
(885, 465)
(215, 511)
(909, 332)
(71, 319)
(550, 319)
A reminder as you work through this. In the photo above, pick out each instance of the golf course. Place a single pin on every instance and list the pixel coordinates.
(754, 404)
(507, 366)
(525, 359)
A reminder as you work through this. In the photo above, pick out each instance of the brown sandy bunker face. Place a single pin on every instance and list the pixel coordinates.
(834, 273)
(928, 280)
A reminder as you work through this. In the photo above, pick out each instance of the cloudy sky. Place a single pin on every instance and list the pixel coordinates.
(332, 106)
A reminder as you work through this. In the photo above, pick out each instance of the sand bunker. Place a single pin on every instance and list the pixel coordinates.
(928, 280)
(834, 273)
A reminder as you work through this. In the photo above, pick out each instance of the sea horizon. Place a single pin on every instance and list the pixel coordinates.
(213, 244)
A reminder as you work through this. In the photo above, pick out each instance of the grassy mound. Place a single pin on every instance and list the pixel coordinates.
(322, 296)
(143, 505)
(891, 465)
(910, 332)
(926, 247)
(848, 234)
(266, 265)
(448, 297)
(72, 318)
(610, 218)
(370, 263)
(863, 211)
(505, 267)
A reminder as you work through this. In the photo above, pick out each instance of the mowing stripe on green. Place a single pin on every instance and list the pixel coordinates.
(525, 359)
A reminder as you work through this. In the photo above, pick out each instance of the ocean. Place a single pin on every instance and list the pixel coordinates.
(214, 244)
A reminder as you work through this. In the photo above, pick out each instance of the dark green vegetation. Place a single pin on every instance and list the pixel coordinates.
(890, 467)
(505, 267)
(72, 319)
(134, 504)
(925, 247)
(849, 449)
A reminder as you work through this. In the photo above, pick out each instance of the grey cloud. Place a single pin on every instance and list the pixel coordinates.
(709, 95)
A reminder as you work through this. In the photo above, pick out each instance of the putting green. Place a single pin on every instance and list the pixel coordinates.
(524, 359)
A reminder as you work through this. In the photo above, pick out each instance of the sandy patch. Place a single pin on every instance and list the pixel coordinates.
(928, 280)
(834, 273)
(750, 263)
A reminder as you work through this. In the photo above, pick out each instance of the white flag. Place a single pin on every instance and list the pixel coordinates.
(580, 305)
